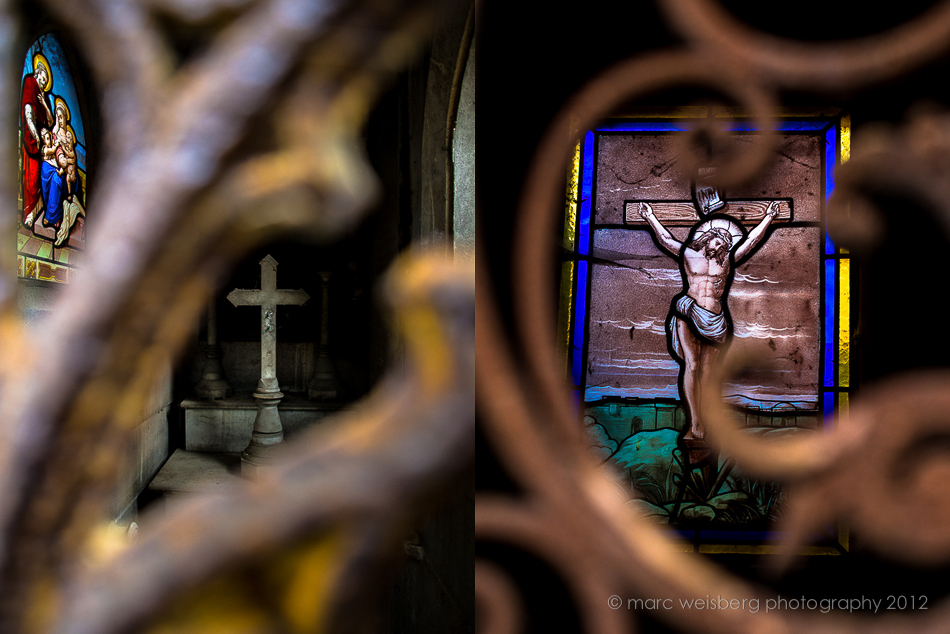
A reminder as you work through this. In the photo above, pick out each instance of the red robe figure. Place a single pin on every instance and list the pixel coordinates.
(36, 115)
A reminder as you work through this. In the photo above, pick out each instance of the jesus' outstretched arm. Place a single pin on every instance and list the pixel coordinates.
(670, 244)
(755, 236)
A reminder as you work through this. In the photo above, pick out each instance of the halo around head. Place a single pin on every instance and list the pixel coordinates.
(721, 223)
(60, 102)
(40, 60)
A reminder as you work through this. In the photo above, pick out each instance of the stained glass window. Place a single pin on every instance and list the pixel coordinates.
(667, 277)
(52, 203)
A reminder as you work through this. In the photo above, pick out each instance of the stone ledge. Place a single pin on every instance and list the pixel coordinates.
(225, 425)
(246, 401)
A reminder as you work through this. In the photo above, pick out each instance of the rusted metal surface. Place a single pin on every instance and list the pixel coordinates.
(180, 202)
(868, 471)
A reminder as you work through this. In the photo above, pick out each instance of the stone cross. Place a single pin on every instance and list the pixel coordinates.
(268, 431)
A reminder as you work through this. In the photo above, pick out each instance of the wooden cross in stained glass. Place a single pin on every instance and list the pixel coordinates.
(268, 430)
(683, 213)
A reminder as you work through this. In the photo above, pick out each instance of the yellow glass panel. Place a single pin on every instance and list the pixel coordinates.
(845, 326)
(570, 242)
(845, 138)
(564, 312)
(570, 205)
(844, 322)
(845, 146)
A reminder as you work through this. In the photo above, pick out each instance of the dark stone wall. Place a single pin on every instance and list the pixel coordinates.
(432, 588)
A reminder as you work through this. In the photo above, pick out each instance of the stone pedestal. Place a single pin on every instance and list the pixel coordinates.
(268, 432)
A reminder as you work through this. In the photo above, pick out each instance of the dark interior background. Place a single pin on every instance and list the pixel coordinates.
(532, 59)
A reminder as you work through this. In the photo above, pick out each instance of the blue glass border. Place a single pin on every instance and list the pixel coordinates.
(830, 335)
(831, 153)
(828, 403)
(583, 248)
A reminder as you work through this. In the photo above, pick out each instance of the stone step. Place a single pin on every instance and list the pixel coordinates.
(196, 472)
(225, 425)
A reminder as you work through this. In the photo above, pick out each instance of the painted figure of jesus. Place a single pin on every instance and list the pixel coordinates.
(699, 325)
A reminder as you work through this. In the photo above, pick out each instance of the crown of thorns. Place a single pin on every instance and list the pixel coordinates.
(719, 232)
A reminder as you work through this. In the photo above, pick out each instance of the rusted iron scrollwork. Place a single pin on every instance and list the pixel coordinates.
(571, 513)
